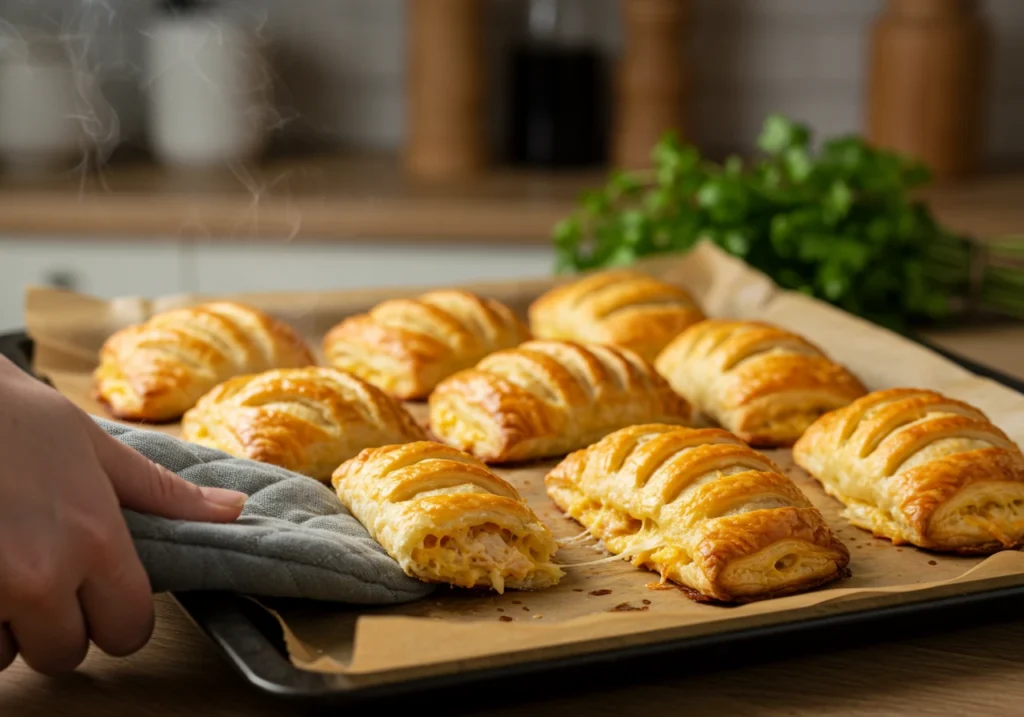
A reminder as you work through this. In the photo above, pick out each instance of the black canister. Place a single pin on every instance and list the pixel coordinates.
(558, 94)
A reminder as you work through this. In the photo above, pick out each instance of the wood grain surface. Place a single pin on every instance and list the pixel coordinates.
(446, 89)
(927, 82)
(651, 80)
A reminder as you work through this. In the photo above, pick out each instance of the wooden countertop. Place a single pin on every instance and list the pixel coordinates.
(975, 671)
(312, 199)
(367, 197)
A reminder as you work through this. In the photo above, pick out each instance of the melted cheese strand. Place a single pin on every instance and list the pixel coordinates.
(584, 536)
(627, 554)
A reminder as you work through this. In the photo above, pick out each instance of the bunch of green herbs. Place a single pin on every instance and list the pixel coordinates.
(839, 223)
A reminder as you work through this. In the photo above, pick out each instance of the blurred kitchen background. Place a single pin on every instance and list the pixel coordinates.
(318, 144)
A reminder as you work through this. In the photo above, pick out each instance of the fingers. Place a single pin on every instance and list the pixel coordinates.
(40, 572)
(8, 647)
(117, 598)
(144, 486)
(50, 634)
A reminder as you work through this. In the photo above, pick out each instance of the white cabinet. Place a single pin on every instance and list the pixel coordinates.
(225, 267)
(144, 267)
(155, 267)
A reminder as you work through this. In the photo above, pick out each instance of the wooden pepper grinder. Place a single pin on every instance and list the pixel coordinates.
(651, 81)
(446, 103)
(926, 83)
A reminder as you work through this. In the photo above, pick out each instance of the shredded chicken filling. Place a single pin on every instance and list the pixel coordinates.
(481, 555)
(462, 423)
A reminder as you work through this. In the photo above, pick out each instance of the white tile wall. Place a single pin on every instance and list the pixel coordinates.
(799, 57)
(340, 62)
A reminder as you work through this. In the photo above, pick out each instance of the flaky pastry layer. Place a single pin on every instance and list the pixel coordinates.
(157, 370)
(761, 382)
(918, 467)
(621, 307)
(406, 346)
(546, 398)
(702, 509)
(308, 420)
(446, 518)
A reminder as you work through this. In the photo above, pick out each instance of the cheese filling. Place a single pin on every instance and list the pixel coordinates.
(461, 424)
(483, 556)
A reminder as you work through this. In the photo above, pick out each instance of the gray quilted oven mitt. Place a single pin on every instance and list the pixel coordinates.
(294, 539)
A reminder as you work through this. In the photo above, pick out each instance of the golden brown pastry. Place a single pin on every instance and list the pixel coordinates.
(702, 509)
(157, 370)
(620, 307)
(761, 382)
(308, 420)
(446, 518)
(546, 398)
(918, 467)
(405, 346)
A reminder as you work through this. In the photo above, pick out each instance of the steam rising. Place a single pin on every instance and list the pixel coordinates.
(103, 41)
(100, 124)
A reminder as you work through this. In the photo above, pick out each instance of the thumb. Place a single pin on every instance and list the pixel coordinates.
(146, 487)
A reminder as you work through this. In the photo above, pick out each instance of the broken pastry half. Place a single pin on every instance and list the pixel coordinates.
(446, 518)
(702, 509)
(916, 466)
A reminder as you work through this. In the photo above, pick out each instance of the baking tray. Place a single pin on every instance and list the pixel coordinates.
(250, 638)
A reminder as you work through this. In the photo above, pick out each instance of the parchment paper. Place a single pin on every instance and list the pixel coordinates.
(598, 606)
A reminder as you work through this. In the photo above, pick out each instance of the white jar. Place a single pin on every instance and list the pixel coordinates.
(40, 122)
(208, 90)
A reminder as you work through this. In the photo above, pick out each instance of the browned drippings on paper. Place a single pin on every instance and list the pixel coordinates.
(595, 607)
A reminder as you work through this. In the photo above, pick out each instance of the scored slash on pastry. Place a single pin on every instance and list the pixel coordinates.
(445, 517)
(308, 420)
(406, 346)
(701, 508)
(624, 308)
(157, 370)
(758, 381)
(918, 467)
(546, 398)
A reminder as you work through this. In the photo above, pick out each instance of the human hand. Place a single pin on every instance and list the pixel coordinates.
(69, 572)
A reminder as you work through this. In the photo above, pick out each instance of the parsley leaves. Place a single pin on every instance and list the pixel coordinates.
(838, 223)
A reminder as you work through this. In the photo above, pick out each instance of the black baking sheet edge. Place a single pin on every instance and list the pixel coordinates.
(251, 640)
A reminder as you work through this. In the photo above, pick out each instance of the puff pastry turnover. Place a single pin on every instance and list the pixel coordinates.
(918, 467)
(446, 518)
(157, 370)
(405, 346)
(763, 383)
(308, 420)
(622, 307)
(702, 509)
(546, 398)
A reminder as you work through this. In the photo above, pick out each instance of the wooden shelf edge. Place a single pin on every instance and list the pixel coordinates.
(345, 198)
(400, 221)
(361, 199)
